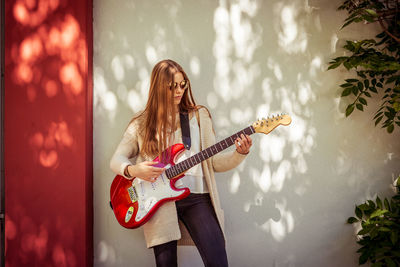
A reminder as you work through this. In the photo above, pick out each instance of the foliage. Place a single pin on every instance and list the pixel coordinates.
(376, 62)
(379, 235)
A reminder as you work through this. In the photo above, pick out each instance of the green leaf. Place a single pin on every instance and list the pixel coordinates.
(373, 233)
(390, 262)
(371, 204)
(391, 79)
(354, 89)
(378, 114)
(366, 83)
(349, 109)
(362, 101)
(352, 220)
(386, 203)
(364, 231)
(344, 85)
(379, 85)
(394, 237)
(361, 74)
(396, 106)
(358, 212)
(360, 86)
(347, 23)
(381, 35)
(359, 107)
(384, 229)
(378, 120)
(351, 80)
(373, 89)
(363, 258)
(371, 12)
(377, 264)
(390, 128)
(378, 202)
(378, 213)
(367, 94)
(346, 92)
(334, 65)
(347, 65)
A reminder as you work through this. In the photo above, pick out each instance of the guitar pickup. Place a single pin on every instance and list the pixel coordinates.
(132, 194)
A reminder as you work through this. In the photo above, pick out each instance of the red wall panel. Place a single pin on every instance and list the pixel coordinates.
(48, 133)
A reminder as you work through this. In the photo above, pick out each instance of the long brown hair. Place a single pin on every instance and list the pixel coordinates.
(158, 118)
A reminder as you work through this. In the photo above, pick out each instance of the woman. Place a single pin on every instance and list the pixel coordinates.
(199, 217)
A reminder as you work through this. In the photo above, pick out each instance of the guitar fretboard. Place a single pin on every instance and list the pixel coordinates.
(206, 153)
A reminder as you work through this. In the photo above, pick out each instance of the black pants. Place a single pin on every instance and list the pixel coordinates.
(198, 215)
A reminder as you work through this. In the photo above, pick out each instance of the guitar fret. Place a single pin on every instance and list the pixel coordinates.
(187, 164)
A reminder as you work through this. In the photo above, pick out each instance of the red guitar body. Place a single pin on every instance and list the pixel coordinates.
(135, 201)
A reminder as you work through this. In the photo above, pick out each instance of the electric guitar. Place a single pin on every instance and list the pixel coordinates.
(135, 201)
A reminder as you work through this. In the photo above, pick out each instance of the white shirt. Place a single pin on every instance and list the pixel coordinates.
(194, 178)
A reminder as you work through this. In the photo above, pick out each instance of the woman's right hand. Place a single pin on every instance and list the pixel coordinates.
(145, 171)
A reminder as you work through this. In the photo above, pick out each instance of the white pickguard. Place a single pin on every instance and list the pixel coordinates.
(148, 194)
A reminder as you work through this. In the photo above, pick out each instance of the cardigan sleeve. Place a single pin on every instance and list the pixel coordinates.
(223, 161)
(127, 148)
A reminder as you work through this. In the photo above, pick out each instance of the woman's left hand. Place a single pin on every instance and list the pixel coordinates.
(243, 144)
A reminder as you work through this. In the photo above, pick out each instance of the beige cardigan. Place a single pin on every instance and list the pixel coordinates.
(163, 226)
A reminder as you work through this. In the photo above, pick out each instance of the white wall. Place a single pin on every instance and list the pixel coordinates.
(287, 204)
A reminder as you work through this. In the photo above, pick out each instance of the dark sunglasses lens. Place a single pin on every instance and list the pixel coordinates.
(184, 84)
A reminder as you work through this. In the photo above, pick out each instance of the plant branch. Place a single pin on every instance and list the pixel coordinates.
(386, 30)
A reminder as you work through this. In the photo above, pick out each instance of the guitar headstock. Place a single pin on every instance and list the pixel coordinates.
(266, 125)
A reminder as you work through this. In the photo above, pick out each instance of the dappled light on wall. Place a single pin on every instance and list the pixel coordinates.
(47, 94)
(238, 75)
(235, 43)
(32, 13)
(62, 47)
(56, 137)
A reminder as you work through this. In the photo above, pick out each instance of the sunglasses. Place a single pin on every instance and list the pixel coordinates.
(183, 85)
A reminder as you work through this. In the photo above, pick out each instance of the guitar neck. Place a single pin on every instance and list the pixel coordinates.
(206, 153)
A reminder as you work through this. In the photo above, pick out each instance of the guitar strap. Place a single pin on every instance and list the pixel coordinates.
(184, 117)
(198, 122)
